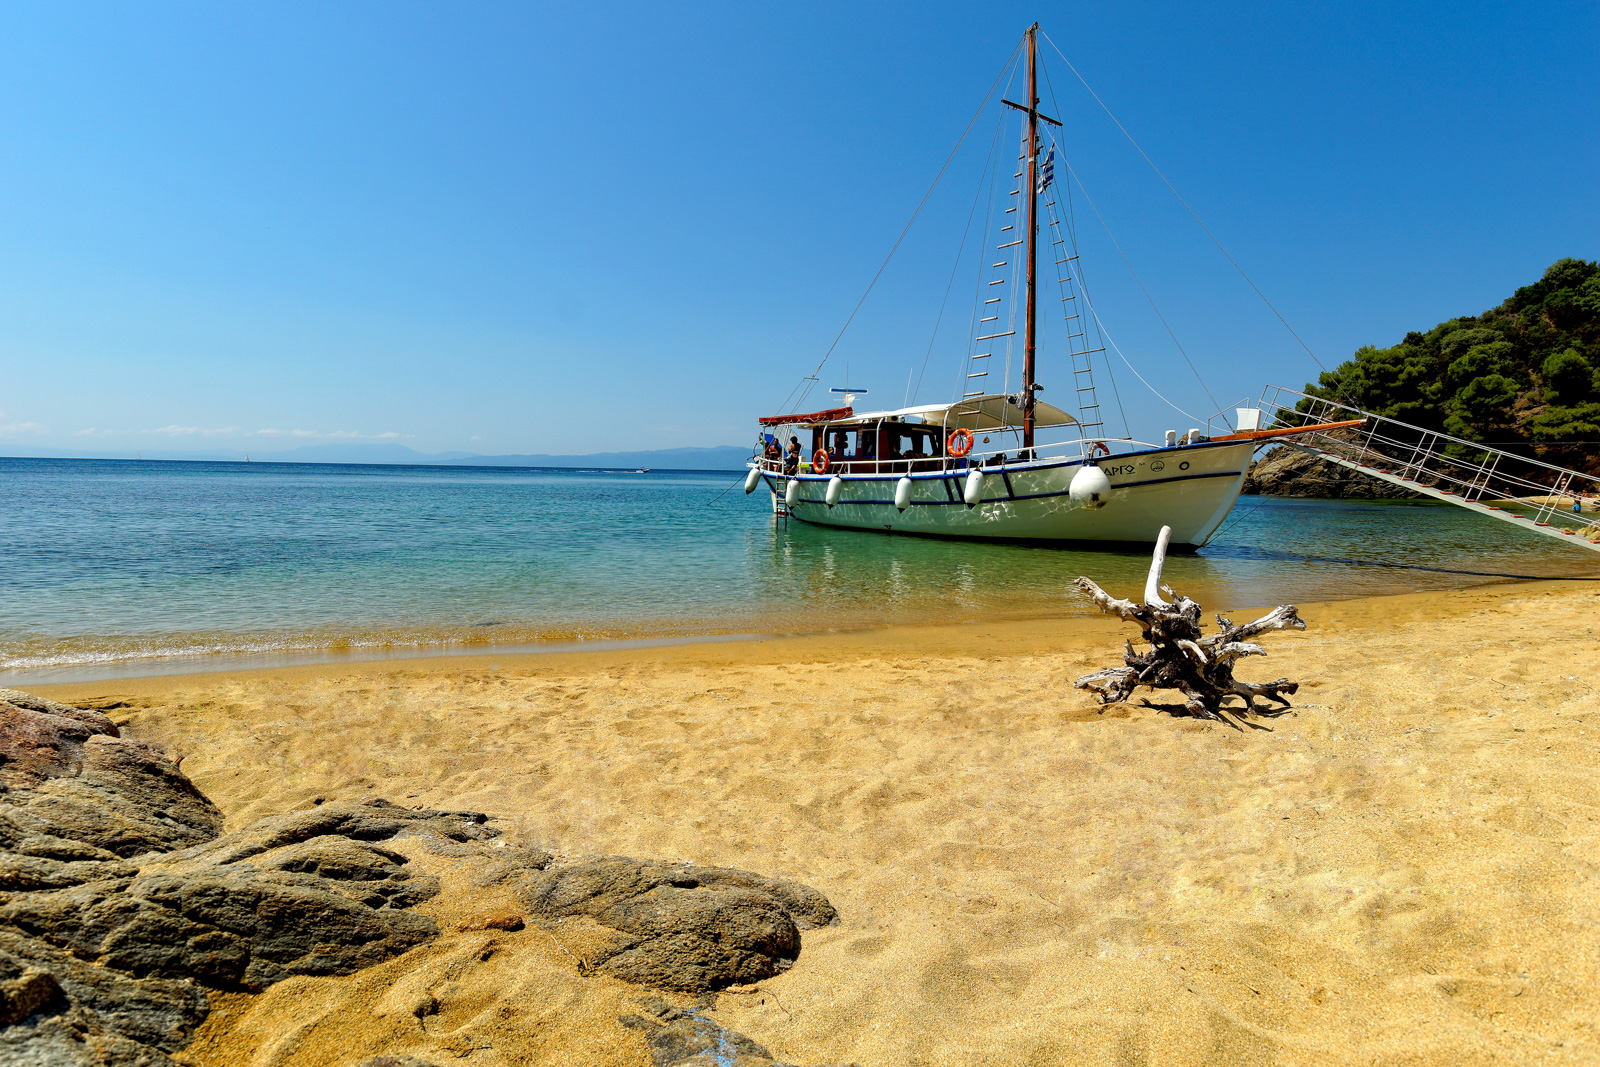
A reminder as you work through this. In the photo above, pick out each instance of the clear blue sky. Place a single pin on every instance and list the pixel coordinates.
(570, 228)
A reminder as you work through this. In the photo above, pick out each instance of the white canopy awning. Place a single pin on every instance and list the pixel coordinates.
(994, 411)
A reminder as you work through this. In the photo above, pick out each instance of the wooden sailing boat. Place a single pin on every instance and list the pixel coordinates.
(935, 469)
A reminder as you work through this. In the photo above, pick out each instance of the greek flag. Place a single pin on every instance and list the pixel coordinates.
(1047, 172)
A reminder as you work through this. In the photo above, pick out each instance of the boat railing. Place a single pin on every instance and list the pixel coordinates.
(987, 459)
(1439, 465)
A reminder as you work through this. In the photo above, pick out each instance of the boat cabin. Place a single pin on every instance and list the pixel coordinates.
(985, 430)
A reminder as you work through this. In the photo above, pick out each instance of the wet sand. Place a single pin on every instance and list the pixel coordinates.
(1404, 871)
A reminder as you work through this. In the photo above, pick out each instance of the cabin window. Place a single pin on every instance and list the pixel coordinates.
(906, 442)
(843, 444)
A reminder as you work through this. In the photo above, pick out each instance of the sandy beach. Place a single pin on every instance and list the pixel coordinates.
(1403, 871)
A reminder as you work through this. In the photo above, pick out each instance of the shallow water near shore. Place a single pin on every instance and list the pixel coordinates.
(131, 567)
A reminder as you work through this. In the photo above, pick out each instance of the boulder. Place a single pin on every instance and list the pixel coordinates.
(67, 773)
(683, 926)
(121, 901)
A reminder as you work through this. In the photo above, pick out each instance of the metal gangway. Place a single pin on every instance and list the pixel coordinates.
(1525, 492)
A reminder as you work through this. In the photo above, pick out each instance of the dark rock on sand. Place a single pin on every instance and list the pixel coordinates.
(679, 1037)
(73, 788)
(1286, 471)
(682, 926)
(119, 902)
(687, 1038)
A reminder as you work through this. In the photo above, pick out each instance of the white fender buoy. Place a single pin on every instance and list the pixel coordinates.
(792, 493)
(835, 485)
(974, 490)
(902, 493)
(1090, 487)
(752, 479)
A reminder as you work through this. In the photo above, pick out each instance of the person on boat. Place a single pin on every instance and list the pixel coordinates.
(771, 453)
(791, 459)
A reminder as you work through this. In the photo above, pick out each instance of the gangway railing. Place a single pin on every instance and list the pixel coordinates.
(1527, 492)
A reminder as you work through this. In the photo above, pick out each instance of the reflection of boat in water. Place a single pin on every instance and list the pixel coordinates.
(1002, 464)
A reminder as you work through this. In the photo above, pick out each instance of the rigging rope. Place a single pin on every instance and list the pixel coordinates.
(1074, 175)
(956, 267)
(1083, 286)
(977, 294)
(920, 205)
(1181, 200)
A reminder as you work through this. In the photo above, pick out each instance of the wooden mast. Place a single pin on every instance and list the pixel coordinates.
(1029, 335)
(1033, 238)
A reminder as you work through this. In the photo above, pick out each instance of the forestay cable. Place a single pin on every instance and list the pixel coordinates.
(814, 378)
(1184, 202)
(1153, 306)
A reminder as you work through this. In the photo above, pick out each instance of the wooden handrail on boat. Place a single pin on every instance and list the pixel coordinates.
(1289, 431)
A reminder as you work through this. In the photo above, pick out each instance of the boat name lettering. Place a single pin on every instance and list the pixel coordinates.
(1126, 468)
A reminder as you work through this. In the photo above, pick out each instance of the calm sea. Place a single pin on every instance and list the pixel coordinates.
(127, 567)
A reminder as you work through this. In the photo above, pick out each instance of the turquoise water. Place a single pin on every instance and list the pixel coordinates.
(127, 564)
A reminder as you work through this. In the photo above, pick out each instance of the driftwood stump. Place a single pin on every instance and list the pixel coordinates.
(1200, 667)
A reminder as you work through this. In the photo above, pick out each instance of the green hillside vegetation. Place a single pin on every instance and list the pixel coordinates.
(1525, 374)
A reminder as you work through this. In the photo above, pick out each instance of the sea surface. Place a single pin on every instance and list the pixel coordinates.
(119, 567)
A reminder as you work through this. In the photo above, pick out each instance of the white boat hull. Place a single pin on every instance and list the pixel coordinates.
(1189, 488)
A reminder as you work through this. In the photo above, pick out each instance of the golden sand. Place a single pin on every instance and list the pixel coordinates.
(1404, 871)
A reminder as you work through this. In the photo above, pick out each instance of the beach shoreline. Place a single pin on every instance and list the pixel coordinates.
(1393, 873)
(180, 669)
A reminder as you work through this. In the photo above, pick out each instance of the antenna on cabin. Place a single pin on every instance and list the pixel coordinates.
(850, 393)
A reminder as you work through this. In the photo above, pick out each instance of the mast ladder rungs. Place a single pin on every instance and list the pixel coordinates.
(991, 336)
(982, 355)
(1003, 229)
(1081, 388)
(1009, 244)
(1070, 336)
(1009, 210)
(1002, 263)
(991, 318)
(1069, 259)
(993, 300)
(998, 281)
(965, 395)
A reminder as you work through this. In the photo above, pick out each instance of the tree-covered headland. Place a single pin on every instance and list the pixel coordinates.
(1524, 376)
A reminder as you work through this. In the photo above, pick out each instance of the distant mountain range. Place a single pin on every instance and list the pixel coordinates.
(722, 458)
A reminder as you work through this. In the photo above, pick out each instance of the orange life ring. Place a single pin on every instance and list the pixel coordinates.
(819, 461)
(960, 442)
(1100, 447)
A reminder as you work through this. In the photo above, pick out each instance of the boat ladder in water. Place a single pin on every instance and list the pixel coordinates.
(1525, 492)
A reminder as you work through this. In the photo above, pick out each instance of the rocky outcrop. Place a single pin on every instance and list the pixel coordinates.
(1288, 471)
(122, 902)
(681, 926)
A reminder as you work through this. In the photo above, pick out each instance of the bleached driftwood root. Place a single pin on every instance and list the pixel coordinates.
(1181, 657)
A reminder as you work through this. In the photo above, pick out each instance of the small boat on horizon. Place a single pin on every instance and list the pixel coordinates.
(1002, 465)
